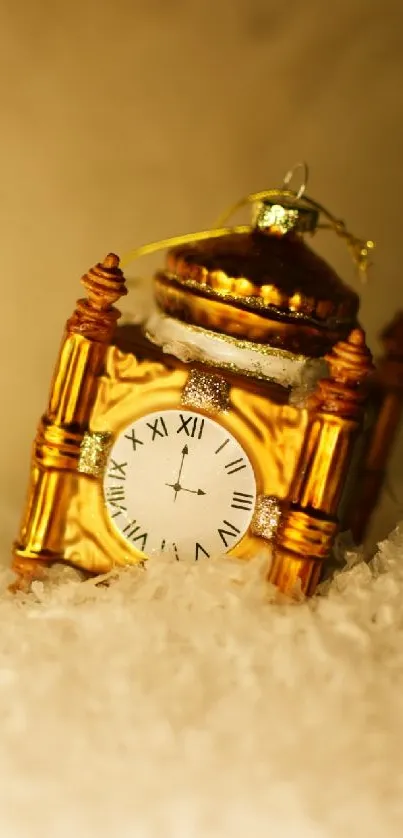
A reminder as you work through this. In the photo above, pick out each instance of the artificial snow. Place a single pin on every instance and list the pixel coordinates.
(181, 700)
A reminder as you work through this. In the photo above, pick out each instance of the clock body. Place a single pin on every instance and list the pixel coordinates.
(179, 460)
(225, 424)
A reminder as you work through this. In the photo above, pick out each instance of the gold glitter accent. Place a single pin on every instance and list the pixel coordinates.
(280, 218)
(266, 516)
(276, 218)
(206, 391)
(94, 451)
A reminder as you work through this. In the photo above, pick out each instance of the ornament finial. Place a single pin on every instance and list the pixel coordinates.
(95, 317)
(111, 261)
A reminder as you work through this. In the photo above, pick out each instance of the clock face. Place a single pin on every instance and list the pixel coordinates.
(179, 483)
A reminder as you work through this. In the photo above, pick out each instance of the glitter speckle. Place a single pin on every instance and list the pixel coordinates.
(207, 391)
(94, 452)
(266, 516)
(275, 216)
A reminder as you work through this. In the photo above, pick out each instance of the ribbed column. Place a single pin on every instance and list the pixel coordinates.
(309, 524)
(56, 449)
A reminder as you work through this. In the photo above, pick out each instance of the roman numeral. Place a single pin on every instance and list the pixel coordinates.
(143, 537)
(115, 496)
(130, 531)
(222, 446)
(193, 426)
(236, 465)
(231, 532)
(200, 549)
(131, 528)
(175, 549)
(117, 470)
(241, 500)
(133, 439)
(158, 428)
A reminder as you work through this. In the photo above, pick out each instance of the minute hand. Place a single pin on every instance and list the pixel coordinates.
(185, 451)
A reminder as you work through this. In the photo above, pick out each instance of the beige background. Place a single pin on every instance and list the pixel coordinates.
(126, 121)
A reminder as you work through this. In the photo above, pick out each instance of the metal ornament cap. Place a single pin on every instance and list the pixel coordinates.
(279, 218)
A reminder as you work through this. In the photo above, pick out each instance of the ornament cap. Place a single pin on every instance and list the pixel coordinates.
(279, 217)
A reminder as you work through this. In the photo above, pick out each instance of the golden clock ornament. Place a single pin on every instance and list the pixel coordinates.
(228, 422)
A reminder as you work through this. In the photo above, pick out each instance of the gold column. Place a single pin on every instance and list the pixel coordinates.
(60, 433)
(309, 523)
(388, 403)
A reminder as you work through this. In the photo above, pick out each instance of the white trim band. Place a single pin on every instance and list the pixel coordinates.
(193, 343)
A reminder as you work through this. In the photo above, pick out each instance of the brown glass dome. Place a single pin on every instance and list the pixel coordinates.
(241, 283)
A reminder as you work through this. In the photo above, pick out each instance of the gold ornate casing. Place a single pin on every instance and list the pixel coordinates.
(262, 289)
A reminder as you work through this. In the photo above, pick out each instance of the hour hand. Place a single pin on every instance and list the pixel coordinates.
(179, 488)
(193, 491)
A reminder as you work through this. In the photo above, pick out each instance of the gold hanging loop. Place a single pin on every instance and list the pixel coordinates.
(290, 174)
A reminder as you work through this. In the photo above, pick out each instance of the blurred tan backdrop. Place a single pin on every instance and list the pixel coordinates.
(130, 120)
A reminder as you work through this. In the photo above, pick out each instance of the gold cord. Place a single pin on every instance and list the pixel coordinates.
(188, 238)
(359, 248)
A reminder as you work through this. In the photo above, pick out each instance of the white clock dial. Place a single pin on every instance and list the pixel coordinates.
(178, 482)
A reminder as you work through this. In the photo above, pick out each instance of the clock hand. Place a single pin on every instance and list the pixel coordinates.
(185, 451)
(177, 486)
(193, 491)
